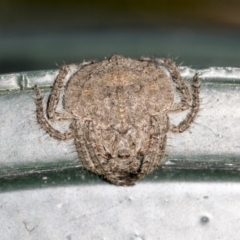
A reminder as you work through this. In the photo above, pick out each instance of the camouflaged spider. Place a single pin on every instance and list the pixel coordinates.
(118, 110)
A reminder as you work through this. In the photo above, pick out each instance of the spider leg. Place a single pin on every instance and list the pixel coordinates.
(56, 91)
(82, 149)
(157, 146)
(98, 158)
(194, 108)
(87, 150)
(154, 157)
(189, 99)
(181, 86)
(41, 119)
(90, 142)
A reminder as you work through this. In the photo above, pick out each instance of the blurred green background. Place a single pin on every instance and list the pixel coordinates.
(45, 34)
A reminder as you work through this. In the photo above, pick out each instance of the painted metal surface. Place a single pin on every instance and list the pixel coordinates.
(45, 194)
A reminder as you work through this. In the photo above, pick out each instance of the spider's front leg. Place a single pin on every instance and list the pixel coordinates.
(55, 94)
(194, 108)
(44, 122)
(189, 98)
(181, 86)
(54, 97)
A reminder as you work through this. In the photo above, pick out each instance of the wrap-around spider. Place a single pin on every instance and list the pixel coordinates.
(118, 110)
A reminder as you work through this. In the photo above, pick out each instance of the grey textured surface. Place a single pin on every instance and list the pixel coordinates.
(166, 210)
(47, 195)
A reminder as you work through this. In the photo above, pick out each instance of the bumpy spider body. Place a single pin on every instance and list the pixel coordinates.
(118, 110)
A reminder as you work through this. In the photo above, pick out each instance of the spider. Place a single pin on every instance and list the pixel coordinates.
(118, 109)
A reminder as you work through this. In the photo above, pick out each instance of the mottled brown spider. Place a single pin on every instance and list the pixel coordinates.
(118, 110)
